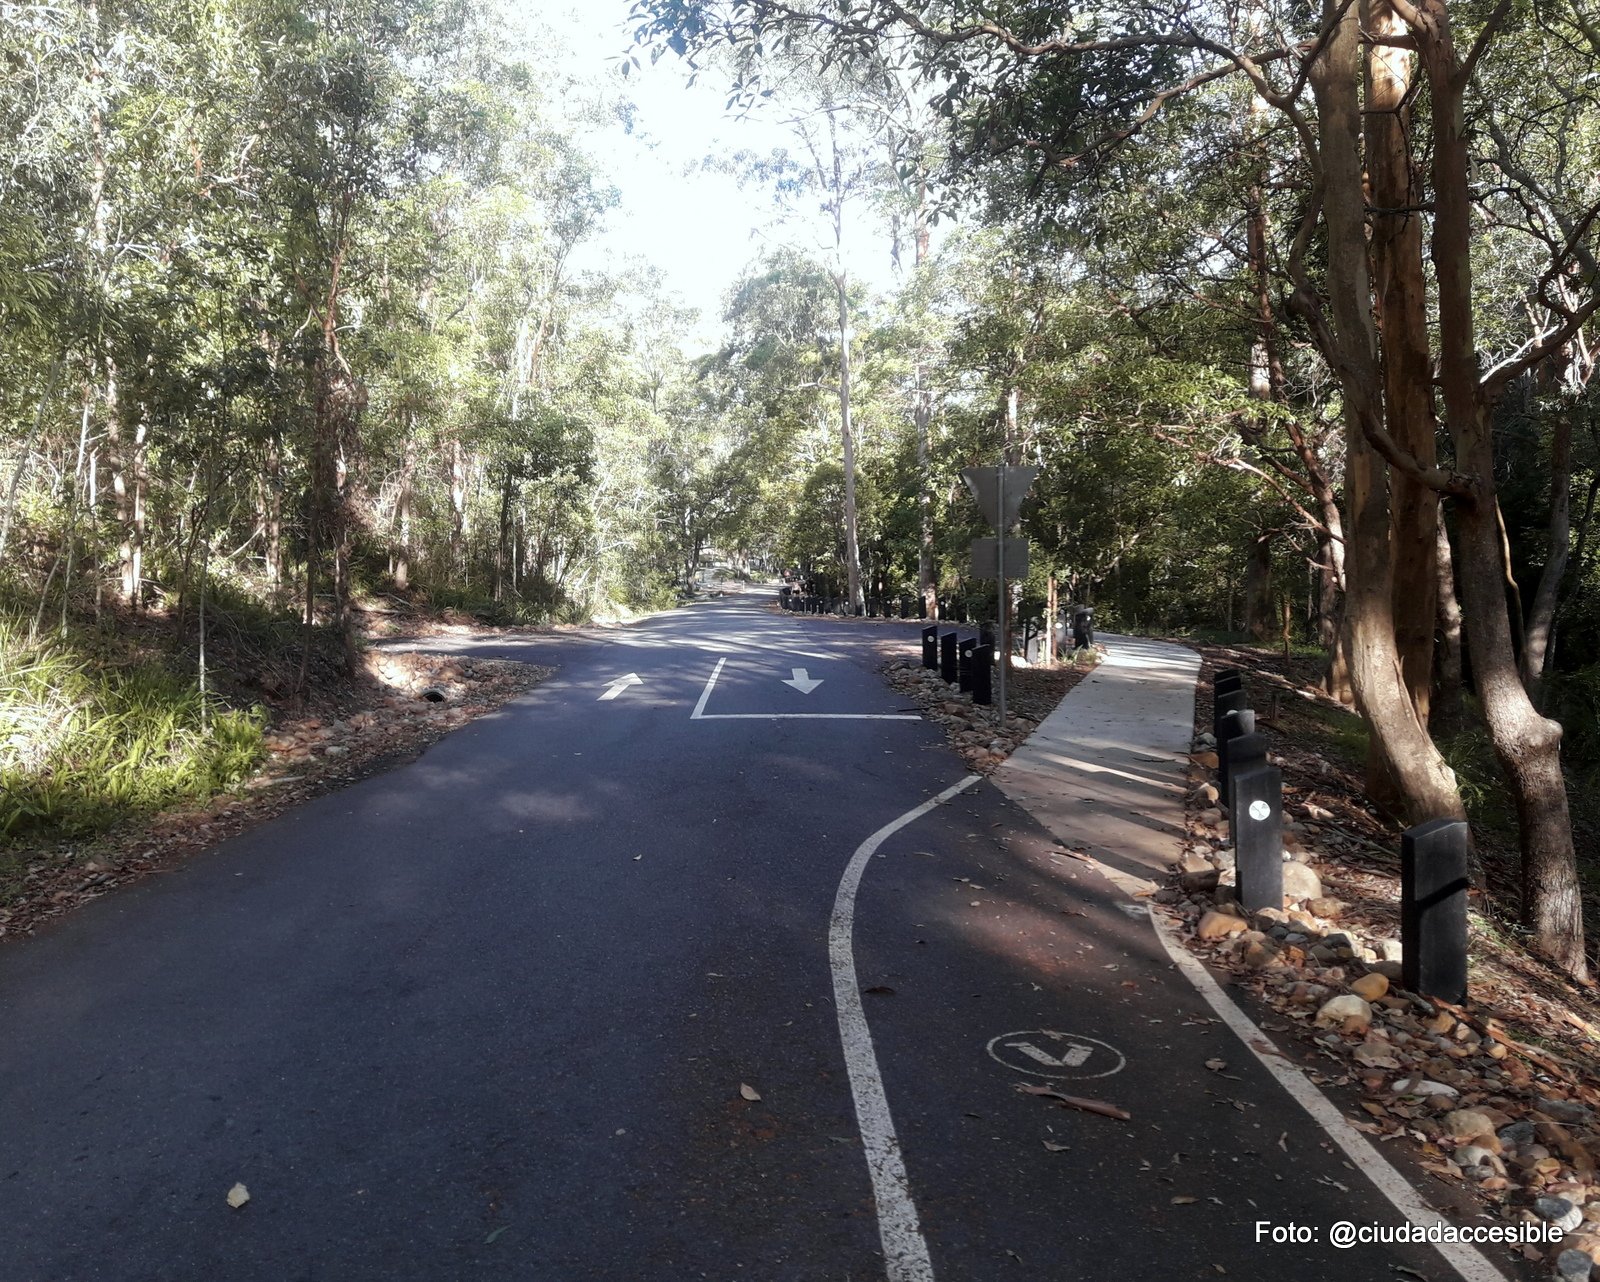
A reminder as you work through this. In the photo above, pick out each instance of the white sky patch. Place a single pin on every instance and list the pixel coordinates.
(698, 227)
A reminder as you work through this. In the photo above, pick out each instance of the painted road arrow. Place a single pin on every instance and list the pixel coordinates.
(621, 684)
(801, 682)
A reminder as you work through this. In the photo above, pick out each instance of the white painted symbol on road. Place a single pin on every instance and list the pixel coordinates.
(619, 685)
(1135, 910)
(801, 682)
(1044, 1052)
(1075, 1055)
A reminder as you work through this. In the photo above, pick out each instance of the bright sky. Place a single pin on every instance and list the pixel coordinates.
(697, 227)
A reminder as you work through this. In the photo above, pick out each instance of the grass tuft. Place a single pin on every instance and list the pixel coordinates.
(84, 745)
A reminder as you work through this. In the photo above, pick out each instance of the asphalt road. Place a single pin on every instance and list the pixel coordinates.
(488, 1016)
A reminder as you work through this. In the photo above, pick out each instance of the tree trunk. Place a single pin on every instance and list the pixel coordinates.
(1447, 709)
(922, 417)
(272, 515)
(1527, 744)
(502, 547)
(1401, 303)
(1425, 780)
(1258, 600)
(852, 552)
(1536, 645)
(458, 508)
(403, 502)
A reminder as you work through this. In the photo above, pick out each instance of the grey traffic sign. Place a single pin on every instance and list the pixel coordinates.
(984, 482)
(986, 558)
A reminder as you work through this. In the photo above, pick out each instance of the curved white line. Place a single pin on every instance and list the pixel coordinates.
(905, 1252)
(1466, 1260)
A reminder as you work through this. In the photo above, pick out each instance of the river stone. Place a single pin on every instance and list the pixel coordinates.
(1216, 925)
(1370, 986)
(1468, 1123)
(1301, 882)
(1558, 1211)
(1349, 1011)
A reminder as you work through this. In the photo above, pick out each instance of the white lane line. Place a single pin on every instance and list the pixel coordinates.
(700, 708)
(905, 1252)
(1464, 1259)
(808, 716)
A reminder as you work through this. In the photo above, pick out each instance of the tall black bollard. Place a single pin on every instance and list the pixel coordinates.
(1257, 829)
(930, 646)
(1245, 752)
(964, 651)
(1227, 701)
(1433, 909)
(983, 674)
(1234, 726)
(947, 657)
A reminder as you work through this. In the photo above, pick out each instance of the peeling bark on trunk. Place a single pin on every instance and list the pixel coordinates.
(1400, 292)
(1427, 783)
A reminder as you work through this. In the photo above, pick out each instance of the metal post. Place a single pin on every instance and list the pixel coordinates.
(1234, 726)
(964, 651)
(1245, 752)
(1228, 701)
(930, 646)
(982, 674)
(1000, 568)
(1433, 909)
(1257, 829)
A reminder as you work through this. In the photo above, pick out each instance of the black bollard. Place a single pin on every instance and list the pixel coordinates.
(983, 674)
(1256, 826)
(930, 646)
(1245, 752)
(1082, 628)
(964, 651)
(1433, 909)
(1234, 725)
(947, 656)
(1224, 703)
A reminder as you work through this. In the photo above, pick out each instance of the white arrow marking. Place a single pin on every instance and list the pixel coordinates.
(621, 684)
(801, 682)
(1075, 1055)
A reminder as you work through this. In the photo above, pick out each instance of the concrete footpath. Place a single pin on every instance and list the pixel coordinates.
(1104, 772)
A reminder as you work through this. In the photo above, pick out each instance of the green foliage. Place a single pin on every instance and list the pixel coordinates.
(90, 745)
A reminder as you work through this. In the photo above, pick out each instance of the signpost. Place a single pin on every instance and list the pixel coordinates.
(999, 492)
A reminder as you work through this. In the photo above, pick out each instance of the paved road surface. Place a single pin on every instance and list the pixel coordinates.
(488, 1016)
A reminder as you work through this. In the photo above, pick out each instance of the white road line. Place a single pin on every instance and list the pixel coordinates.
(807, 716)
(1464, 1259)
(700, 708)
(905, 1251)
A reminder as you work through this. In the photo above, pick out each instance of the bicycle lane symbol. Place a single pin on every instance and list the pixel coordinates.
(1045, 1052)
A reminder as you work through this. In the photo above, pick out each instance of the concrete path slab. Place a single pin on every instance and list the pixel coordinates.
(1104, 772)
